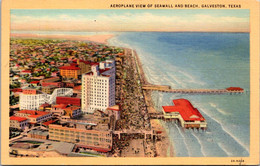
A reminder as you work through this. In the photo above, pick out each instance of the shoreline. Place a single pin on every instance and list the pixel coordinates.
(101, 39)
(155, 123)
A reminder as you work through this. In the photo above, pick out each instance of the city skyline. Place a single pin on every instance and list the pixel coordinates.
(130, 20)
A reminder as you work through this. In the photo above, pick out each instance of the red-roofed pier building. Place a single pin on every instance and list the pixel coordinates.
(188, 116)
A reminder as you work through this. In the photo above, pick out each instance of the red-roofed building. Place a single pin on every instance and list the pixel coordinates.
(52, 62)
(68, 100)
(58, 109)
(72, 112)
(34, 116)
(18, 122)
(17, 90)
(24, 72)
(49, 122)
(69, 84)
(85, 66)
(52, 79)
(102, 150)
(69, 67)
(238, 89)
(29, 91)
(58, 84)
(77, 90)
(76, 68)
(114, 110)
(35, 83)
(69, 71)
(45, 107)
(188, 116)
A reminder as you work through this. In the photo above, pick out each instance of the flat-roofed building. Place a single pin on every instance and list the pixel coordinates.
(38, 134)
(92, 139)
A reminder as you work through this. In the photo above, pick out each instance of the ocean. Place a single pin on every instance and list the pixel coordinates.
(199, 60)
(196, 60)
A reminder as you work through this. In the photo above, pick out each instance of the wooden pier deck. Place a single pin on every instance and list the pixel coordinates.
(168, 89)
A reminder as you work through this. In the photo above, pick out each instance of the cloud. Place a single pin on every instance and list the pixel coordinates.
(130, 22)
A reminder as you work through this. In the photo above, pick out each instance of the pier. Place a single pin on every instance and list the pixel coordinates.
(168, 89)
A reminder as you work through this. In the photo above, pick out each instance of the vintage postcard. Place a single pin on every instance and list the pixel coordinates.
(135, 82)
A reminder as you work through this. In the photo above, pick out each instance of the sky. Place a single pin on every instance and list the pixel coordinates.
(94, 20)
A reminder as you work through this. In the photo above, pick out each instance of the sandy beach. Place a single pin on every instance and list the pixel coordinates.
(93, 38)
(163, 147)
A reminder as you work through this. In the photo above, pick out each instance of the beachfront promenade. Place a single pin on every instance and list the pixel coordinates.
(146, 133)
(168, 89)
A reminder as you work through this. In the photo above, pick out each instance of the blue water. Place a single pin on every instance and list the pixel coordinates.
(199, 60)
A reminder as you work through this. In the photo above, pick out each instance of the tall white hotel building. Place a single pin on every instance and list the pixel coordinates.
(98, 87)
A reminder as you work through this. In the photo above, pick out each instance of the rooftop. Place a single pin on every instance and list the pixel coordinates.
(34, 82)
(27, 71)
(17, 90)
(49, 122)
(186, 110)
(45, 105)
(33, 112)
(69, 68)
(49, 86)
(19, 119)
(72, 108)
(29, 87)
(114, 108)
(77, 87)
(60, 106)
(39, 132)
(234, 89)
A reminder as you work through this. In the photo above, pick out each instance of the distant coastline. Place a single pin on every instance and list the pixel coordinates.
(92, 38)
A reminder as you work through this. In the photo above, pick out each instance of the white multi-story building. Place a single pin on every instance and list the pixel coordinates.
(31, 98)
(98, 87)
(32, 101)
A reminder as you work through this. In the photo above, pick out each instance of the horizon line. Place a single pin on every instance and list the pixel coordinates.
(132, 31)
